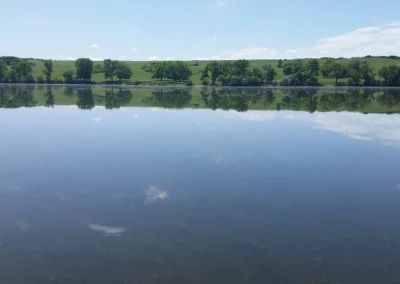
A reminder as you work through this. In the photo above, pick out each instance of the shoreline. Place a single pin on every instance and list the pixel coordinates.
(144, 86)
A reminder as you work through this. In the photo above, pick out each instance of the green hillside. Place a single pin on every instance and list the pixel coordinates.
(59, 67)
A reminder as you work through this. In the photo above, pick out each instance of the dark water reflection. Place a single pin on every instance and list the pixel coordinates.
(164, 190)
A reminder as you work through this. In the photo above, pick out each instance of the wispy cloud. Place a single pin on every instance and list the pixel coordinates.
(106, 230)
(214, 38)
(123, 57)
(169, 58)
(153, 58)
(95, 58)
(153, 194)
(71, 58)
(94, 45)
(394, 24)
(249, 53)
(134, 49)
(291, 51)
(220, 4)
(360, 42)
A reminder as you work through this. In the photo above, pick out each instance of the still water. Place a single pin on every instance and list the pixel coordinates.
(102, 185)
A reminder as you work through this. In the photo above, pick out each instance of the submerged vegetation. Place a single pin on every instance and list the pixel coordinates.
(367, 71)
(239, 99)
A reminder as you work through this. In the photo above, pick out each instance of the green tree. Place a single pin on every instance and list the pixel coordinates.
(21, 71)
(390, 75)
(159, 70)
(110, 68)
(280, 63)
(326, 68)
(123, 71)
(84, 69)
(312, 66)
(48, 69)
(270, 73)
(338, 70)
(3, 70)
(213, 70)
(68, 76)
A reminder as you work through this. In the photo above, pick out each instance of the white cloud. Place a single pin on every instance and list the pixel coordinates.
(153, 58)
(249, 53)
(201, 58)
(169, 58)
(71, 58)
(221, 3)
(123, 57)
(106, 230)
(252, 115)
(291, 51)
(393, 24)
(360, 42)
(215, 58)
(97, 58)
(134, 49)
(214, 38)
(380, 127)
(153, 194)
(94, 45)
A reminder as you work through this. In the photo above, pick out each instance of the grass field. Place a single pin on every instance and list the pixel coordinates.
(59, 67)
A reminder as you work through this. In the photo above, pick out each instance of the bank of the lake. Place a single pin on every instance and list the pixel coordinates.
(363, 71)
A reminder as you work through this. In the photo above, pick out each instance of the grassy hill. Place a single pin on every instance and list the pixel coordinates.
(60, 67)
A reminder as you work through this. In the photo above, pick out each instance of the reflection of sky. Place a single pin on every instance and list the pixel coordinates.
(381, 127)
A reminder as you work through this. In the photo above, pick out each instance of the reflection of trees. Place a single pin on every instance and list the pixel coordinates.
(265, 97)
(85, 98)
(169, 99)
(116, 99)
(300, 99)
(226, 99)
(17, 96)
(69, 91)
(389, 98)
(49, 97)
(352, 99)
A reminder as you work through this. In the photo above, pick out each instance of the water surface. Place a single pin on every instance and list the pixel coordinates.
(110, 185)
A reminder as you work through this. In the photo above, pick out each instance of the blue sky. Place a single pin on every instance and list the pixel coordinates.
(202, 29)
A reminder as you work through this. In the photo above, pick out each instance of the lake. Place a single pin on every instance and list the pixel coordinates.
(177, 185)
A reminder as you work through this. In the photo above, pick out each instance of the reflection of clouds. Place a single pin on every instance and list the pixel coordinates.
(108, 231)
(218, 160)
(383, 127)
(135, 116)
(23, 226)
(288, 116)
(154, 194)
(253, 115)
(97, 119)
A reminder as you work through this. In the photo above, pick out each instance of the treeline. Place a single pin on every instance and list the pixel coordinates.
(299, 72)
(14, 96)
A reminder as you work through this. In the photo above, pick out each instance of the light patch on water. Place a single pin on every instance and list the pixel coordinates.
(23, 226)
(219, 160)
(106, 230)
(135, 116)
(154, 194)
(97, 119)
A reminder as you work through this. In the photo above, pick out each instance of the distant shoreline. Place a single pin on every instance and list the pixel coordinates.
(180, 86)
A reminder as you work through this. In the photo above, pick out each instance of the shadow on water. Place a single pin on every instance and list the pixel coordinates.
(299, 99)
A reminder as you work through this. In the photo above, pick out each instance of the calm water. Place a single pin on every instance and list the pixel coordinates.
(101, 185)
